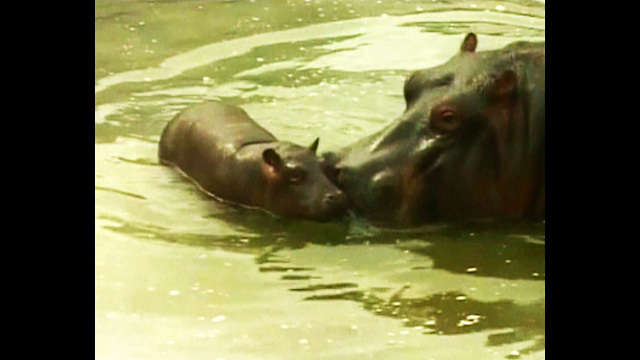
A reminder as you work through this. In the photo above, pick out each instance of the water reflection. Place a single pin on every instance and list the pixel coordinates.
(513, 251)
(501, 252)
(490, 249)
(262, 233)
(454, 313)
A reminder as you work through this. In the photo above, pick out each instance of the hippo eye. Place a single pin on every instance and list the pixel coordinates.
(448, 117)
(444, 121)
(296, 176)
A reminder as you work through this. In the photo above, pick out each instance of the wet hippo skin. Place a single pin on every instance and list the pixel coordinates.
(469, 145)
(229, 156)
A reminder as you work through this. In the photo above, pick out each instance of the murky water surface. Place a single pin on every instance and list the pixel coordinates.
(179, 276)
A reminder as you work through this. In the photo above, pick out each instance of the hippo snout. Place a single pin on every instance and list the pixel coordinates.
(334, 204)
(336, 198)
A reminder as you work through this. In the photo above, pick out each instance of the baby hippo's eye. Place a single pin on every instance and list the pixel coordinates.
(296, 176)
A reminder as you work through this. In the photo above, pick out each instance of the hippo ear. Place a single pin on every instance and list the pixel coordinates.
(469, 43)
(504, 84)
(271, 157)
(314, 146)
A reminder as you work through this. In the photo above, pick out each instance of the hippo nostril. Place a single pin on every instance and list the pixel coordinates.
(334, 197)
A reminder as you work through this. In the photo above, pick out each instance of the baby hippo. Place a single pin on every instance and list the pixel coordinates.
(233, 159)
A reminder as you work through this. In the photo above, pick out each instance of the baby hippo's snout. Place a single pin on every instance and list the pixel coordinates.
(334, 204)
(336, 198)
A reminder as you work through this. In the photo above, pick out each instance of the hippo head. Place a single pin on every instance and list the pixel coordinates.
(470, 144)
(297, 186)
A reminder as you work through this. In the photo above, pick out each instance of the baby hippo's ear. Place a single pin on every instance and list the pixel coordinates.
(314, 146)
(271, 157)
(469, 43)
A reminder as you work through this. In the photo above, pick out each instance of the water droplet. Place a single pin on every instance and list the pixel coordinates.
(174, 292)
(303, 341)
(515, 354)
(218, 318)
(500, 8)
(472, 270)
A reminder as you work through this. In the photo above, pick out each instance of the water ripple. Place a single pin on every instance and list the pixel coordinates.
(373, 26)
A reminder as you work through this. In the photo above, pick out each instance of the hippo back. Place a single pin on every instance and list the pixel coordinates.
(226, 126)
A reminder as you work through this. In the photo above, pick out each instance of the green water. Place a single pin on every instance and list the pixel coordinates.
(179, 276)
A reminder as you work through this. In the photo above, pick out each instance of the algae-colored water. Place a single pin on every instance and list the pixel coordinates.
(180, 276)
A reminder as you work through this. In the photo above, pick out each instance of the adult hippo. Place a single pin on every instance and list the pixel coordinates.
(470, 144)
(232, 158)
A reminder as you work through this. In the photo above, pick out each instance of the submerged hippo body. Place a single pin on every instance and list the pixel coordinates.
(469, 145)
(229, 156)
